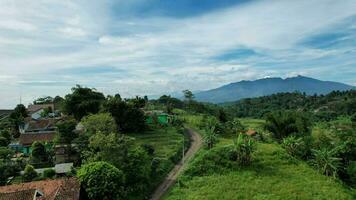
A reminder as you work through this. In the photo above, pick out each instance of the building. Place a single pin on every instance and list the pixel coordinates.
(27, 139)
(161, 117)
(42, 130)
(64, 189)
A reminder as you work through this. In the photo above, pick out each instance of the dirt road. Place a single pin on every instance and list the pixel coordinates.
(196, 142)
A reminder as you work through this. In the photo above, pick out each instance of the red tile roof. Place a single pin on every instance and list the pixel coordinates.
(19, 195)
(64, 189)
(29, 138)
(34, 108)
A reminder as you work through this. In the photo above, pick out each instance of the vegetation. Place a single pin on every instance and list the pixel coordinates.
(82, 101)
(102, 180)
(325, 107)
(29, 173)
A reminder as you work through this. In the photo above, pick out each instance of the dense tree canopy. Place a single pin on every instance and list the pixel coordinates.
(102, 180)
(284, 123)
(66, 132)
(102, 122)
(83, 101)
(128, 117)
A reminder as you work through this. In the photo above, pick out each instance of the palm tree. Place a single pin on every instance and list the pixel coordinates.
(210, 137)
(242, 149)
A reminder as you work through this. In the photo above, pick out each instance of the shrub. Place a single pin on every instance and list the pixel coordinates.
(49, 173)
(29, 173)
(295, 147)
(351, 171)
(210, 162)
(210, 137)
(326, 162)
(149, 149)
(242, 149)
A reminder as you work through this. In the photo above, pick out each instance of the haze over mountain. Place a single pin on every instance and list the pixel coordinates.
(267, 86)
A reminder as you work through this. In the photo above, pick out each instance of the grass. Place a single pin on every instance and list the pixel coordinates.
(273, 174)
(166, 141)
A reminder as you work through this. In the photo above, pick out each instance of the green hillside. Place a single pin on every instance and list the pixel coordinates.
(273, 174)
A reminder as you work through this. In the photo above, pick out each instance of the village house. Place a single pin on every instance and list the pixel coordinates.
(162, 117)
(64, 189)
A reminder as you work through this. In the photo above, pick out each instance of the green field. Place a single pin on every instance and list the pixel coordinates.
(273, 174)
(166, 141)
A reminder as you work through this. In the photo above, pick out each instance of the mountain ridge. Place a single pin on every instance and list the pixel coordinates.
(267, 86)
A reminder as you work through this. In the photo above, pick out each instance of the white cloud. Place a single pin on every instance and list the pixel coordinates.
(162, 54)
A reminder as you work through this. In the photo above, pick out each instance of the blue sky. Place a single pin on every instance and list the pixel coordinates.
(152, 47)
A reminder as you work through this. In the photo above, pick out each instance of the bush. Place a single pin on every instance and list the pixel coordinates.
(150, 150)
(295, 147)
(326, 162)
(29, 173)
(285, 123)
(351, 171)
(242, 149)
(102, 180)
(49, 173)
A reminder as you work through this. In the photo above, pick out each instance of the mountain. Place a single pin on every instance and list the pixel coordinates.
(268, 86)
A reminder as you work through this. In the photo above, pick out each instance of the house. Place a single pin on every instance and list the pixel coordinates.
(162, 117)
(27, 139)
(64, 189)
(32, 126)
(36, 111)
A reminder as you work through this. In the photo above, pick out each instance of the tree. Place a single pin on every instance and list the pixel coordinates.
(6, 134)
(49, 173)
(353, 120)
(66, 132)
(102, 180)
(112, 148)
(6, 153)
(43, 100)
(222, 116)
(102, 122)
(235, 126)
(4, 142)
(39, 152)
(242, 149)
(17, 118)
(29, 173)
(127, 117)
(188, 95)
(82, 101)
(284, 123)
(137, 169)
(210, 137)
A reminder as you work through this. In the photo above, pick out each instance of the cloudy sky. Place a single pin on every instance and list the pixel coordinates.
(151, 47)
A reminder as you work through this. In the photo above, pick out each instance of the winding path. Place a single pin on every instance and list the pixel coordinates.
(196, 142)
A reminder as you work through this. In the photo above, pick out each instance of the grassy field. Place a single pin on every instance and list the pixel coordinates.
(273, 174)
(166, 141)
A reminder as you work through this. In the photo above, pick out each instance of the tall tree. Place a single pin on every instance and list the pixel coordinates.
(66, 132)
(83, 101)
(102, 180)
(128, 117)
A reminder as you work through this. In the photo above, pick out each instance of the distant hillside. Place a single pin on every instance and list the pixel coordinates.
(325, 107)
(268, 86)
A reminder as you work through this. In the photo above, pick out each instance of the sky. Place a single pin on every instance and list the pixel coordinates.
(154, 47)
